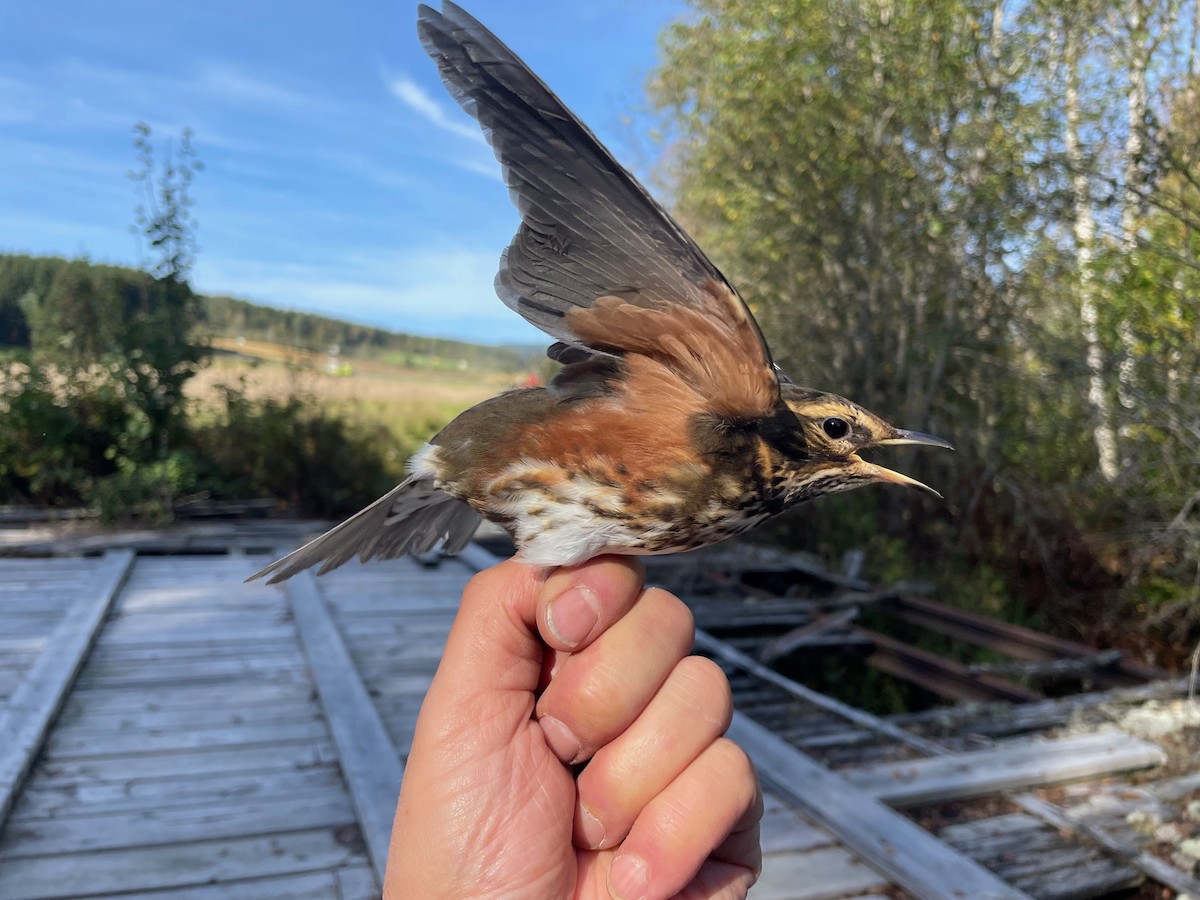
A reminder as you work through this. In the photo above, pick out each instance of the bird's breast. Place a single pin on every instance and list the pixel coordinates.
(573, 480)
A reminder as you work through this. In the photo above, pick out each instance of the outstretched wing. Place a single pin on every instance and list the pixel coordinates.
(589, 230)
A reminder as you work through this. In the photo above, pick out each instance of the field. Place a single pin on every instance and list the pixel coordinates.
(410, 404)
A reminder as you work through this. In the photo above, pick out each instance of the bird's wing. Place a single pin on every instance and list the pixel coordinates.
(588, 229)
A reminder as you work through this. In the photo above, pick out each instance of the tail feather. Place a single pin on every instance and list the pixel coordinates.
(411, 518)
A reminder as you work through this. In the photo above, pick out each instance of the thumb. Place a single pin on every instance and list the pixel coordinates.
(514, 622)
(493, 647)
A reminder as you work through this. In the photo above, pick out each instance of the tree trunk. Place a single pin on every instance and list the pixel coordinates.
(1085, 235)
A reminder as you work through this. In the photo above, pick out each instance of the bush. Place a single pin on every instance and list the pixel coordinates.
(63, 431)
(291, 449)
(81, 437)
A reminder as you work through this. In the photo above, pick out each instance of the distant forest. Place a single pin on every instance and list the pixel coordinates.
(24, 280)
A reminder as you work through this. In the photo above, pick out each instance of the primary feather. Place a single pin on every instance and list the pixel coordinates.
(588, 228)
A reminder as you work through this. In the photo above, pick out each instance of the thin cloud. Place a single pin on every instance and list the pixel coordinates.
(226, 82)
(418, 100)
(444, 290)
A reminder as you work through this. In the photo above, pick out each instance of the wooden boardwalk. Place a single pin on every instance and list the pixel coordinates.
(191, 760)
(224, 740)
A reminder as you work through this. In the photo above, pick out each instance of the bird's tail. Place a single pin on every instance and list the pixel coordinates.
(411, 518)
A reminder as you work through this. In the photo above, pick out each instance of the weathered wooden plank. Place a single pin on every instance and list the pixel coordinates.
(102, 872)
(28, 644)
(42, 799)
(1013, 640)
(942, 676)
(369, 760)
(357, 883)
(906, 854)
(1097, 877)
(1033, 866)
(379, 644)
(14, 586)
(1158, 869)
(159, 600)
(999, 835)
(403, 675)
(817, 875)
(308, 886)
(1039, 858)
(993, 719)
(328, 808)
(12, 621)
(250, 696)
(42, 603)
(17, 660)
(84, 720)
(135, 680)
(784, 831)
(377, 628)
(194, 631)
(1174, 788)
(32, 707)
(257, 758)
(66, 744)
(403, 682)
(724, 651)
(1018, 764)
(194, 616)
(114, 674)
(424, 600)
(281, 650)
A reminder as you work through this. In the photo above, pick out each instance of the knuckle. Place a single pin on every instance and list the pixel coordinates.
(707, 689)
(673, 819)
(736, 767)
(677, 618)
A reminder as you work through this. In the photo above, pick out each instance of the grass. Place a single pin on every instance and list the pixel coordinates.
(410, 405)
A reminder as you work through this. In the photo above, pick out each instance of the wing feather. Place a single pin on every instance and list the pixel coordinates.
(588, 228)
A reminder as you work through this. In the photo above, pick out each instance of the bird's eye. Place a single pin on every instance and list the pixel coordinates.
(836, 428)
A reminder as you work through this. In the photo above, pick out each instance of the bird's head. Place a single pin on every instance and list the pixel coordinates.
(832, 430)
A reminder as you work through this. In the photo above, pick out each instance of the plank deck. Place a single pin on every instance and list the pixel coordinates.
(192, 760)
(200, 754)
(1010, 766)
(369, 761)
(910, 856)
(26, 718)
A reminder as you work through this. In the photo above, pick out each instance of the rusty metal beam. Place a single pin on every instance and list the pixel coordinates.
(941, 676)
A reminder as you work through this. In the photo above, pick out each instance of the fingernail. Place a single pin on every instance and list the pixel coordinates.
(594, 833)
(561, 739)
(628, 879)
(572, 615)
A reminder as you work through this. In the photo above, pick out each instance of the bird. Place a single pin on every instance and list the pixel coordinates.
(668, 426)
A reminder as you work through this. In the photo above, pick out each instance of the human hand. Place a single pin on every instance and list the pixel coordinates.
(546, 669)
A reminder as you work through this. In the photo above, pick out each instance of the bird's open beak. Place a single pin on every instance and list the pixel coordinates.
(879, 473)
(915, 437)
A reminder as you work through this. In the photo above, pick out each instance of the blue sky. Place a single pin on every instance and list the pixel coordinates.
(339, 175)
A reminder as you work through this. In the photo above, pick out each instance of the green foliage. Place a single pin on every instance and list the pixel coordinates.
(163, 215)
(65, 433)
(290, 448)
(92, 394)
(83, 439)
(23, 279)
(118, 317)
(887, 183)
(146, 490)
(96, 414)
